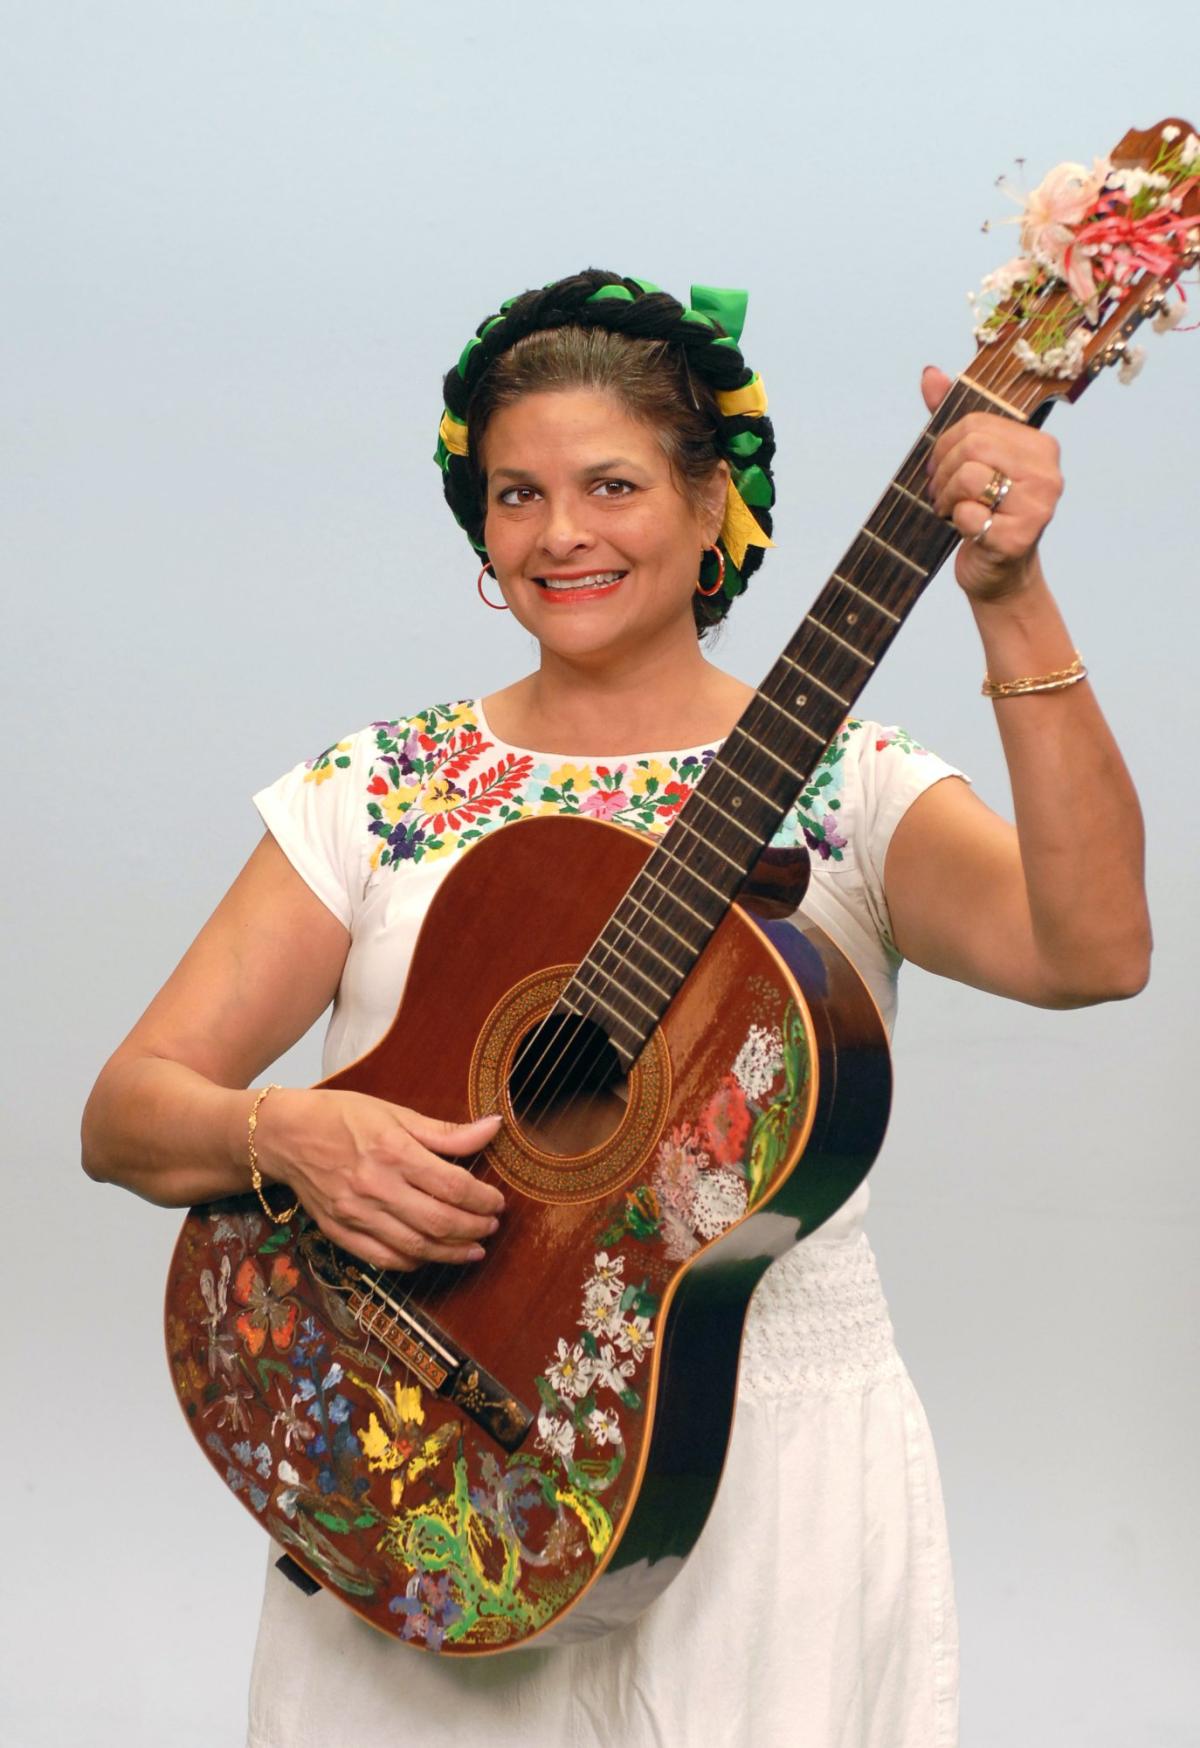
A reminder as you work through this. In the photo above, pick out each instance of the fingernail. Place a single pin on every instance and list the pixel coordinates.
(493, 1225)
(476, 1253)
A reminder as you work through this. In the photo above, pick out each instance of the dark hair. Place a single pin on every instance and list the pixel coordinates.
(665, 364)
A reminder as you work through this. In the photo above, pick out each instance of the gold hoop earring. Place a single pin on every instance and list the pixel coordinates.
(503, 606)
(720, 582)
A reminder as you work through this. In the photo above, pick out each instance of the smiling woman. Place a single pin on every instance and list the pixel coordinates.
(607, 452)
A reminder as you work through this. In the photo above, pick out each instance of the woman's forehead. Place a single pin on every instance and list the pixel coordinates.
(573, 426)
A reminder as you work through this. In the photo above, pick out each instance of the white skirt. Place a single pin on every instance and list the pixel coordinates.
(816, 1610)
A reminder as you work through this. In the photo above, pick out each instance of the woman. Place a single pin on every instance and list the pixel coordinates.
(591, 436)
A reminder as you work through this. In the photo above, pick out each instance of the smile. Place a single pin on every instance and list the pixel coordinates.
(581, 585)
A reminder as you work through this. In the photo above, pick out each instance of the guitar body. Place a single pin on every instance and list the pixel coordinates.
(471, 1457)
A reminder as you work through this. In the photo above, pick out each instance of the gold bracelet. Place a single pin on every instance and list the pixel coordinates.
(255, 1174)
(1055, 682)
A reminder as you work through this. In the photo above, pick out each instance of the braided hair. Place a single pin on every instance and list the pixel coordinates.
(671, 366)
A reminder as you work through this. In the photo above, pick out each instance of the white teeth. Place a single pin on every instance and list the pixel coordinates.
(592, 582)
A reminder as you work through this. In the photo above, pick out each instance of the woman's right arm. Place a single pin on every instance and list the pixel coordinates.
(168, 1115)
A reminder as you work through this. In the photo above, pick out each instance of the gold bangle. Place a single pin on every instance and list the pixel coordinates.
(1058, 681)
(255, 1174)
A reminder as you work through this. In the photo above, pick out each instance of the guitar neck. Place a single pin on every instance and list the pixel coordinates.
(695, 871)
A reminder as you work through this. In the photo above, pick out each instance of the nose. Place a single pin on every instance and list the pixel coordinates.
(565, 528)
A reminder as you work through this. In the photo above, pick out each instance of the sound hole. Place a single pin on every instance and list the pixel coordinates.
(566, 1090)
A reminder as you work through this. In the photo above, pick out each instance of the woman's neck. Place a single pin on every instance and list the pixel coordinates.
(640, 707)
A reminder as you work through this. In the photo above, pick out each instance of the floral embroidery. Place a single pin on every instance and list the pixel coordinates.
(436, 782)
(336, 757)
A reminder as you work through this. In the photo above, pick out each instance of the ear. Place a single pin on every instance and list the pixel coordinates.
(715, 490)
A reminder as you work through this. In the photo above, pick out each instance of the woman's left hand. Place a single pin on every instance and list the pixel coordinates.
(973, 457)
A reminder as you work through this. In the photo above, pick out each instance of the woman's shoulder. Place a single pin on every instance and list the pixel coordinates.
(837, 801)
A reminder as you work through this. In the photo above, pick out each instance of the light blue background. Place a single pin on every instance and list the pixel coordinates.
(242, 242)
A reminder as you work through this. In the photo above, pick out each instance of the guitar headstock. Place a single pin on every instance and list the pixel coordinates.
(1101, 250)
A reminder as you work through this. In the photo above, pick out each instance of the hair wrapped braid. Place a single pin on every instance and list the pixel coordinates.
(641, 311)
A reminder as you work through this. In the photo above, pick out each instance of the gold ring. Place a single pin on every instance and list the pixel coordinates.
(995, 491)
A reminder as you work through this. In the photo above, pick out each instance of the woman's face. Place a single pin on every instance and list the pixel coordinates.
(595, 547)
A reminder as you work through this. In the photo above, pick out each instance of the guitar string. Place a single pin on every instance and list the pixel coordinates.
(1001, 378)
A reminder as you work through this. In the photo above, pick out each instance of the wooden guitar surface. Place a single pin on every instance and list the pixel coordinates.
(469, 1456)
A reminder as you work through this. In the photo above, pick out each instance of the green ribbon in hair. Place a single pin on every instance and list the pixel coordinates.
(724, 304)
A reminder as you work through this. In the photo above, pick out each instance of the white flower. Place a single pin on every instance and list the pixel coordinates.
(570, 1372)
(613, 1373)
(720, 1200)
(605, 1428)
(556, 1436)
(1004, 279)
(600, 1314)
(1189, 151)
(1132, 182)
(607, 1271)
(1170, 132)
(1064, 361)
(633, 1335)
(985, 335)
(286, 1473)
(1131, 365)
(759, 1061)
(679, 1241)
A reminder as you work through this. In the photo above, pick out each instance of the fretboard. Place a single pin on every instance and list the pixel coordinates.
(653, 938)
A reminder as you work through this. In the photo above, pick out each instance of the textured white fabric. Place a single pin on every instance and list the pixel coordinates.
(817, 1608)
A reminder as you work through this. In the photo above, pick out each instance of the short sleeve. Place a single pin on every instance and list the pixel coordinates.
(314, 813)
(892, 770)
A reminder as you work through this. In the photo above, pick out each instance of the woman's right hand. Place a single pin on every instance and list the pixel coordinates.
(370, 1175)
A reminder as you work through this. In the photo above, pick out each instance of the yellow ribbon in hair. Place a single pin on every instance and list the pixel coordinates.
(750, 401)
(740, 528)
(453, 433)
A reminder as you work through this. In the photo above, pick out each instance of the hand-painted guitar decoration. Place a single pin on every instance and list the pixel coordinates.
(470, 1458)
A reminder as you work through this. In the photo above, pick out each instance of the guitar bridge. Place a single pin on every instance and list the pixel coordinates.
(440, 1364)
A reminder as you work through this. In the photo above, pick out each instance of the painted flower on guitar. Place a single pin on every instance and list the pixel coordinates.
(634, 1336)
(295, 1429)
(214, 1290)
(556, 1435)
(759, 1062)
(603, 1427)
(571, 1371)
(429, 1609)
(270, 1309)
(725, 1122)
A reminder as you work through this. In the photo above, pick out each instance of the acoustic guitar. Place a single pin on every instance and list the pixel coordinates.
(473, 1458)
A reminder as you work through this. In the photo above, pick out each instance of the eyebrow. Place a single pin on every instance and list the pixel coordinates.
(523, 478)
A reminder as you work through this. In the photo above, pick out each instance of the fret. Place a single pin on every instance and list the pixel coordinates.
(844, 702)
(740, 777)
(894, 550)
(794, 720)
(784, 764)
(921, 503)
(639, 939)
(612, 982)
(629, 1025)
(673, 861)
(990, 395)
(847, 646)
(708, 843)
(699, 797)
(869, 599)
(675, 899)
(659, 921)
(628, 964)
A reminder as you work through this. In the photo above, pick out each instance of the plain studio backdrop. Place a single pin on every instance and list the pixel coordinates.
(243, 241)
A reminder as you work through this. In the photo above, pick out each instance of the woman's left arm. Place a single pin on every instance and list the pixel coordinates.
(1053, 910)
